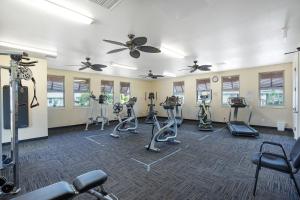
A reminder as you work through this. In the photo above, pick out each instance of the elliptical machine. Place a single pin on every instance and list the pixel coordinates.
(151, 109)
(178, 111)
(204, 114)
(102, 118)
(168, 132)
(130, 123)
(18, 70)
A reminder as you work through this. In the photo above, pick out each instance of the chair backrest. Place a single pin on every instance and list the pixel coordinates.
(295, 154)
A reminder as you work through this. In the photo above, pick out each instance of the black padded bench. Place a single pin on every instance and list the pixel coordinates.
(63, 190)
(57, 191)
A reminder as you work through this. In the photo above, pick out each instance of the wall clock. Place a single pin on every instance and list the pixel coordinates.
(215, 79)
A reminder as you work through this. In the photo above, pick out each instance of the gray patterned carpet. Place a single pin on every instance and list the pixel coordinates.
(204, 166)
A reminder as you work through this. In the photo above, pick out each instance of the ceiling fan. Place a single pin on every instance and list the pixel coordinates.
(195, 67)
(135, 45)
(298, 49)
(88, 64)
(151, 75)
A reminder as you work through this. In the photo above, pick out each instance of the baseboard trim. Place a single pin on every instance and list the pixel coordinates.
(83, 124)
(28, 140)
(162, 117)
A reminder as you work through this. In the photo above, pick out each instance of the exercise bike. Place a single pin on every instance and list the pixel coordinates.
(204, 114)
(178, 111)
(151, 109)
(168, 132)
(102, 118)
(130, 123)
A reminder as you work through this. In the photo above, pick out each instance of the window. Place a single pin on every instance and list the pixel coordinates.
(107, 88)
(124, 92)
(178, 89)
(271, 88)
(230, 88)
(55, 91)
(81, 89)
(202, 85)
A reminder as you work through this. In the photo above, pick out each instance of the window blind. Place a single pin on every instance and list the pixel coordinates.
(107, 87)
(271, 79)
(81, 85)
(55, 83)
(178, 87)
(230, 83)
(125, 88)
(203, 84)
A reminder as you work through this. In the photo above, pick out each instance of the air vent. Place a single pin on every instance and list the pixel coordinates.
(108, 4)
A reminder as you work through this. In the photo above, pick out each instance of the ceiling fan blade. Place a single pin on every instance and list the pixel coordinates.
(193, 70)
(135, 54)
(205, 66)
(116, 50)
(115, 42)
(99, 66)
(82, 68)
(96, 68)
(290, 52)
(148, 49)
(86, 63)
(159, 76)
(204, 69)
(139, 41)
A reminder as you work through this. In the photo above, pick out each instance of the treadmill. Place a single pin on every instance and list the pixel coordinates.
(239, 128)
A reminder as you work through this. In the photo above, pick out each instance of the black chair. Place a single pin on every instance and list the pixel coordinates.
(278, 162)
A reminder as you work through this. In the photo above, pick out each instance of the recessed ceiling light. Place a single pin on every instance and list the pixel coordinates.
(171, 51)
(123, 66)
(46, 52)
(62, 9)
(169, 74)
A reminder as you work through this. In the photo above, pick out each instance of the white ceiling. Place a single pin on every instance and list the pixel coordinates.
(241, 33)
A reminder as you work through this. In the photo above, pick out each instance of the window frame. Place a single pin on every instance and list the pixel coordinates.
(283, 90)
(183, 89)
(222, 90)
(121, 89)
(89, 91)
(113, 88)
(202, 79)
(64, 92)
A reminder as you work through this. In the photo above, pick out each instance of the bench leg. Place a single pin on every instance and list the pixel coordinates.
(256, 178)
(102, 195)
(295, 182)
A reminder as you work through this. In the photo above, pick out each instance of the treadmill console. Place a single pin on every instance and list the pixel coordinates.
(237, 102)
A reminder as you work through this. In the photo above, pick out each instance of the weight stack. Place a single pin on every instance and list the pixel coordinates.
(23, 116)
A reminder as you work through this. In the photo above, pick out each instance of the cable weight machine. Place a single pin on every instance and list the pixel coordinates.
(18, 71)
(103, 114)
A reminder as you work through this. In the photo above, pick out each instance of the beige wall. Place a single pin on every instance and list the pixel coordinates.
(70, 115)
(37, 116)
(266, 116)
